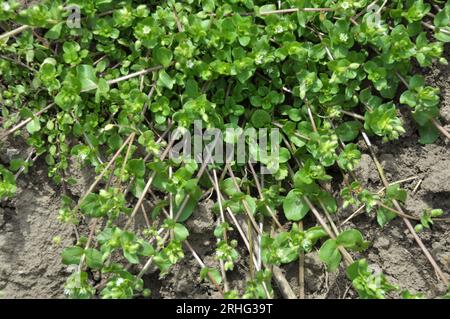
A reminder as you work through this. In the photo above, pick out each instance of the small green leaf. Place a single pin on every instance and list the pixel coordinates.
(93, 258)
(55, 32)
(330, 255)
(442, 19)
(165, 80)
(384, 216)
(348, 131)
(428, 133)
(295, 208)
(260, 118)
(87, 77)
(352, 239)
(355, 269)
(33, 126)
(180, 232)
(72, 255)
(163, 56)
(136, 167)
(189, 208)
(211, 274)
(395, 192)
(328, 201)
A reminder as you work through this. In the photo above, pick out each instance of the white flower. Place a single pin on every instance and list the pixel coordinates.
(345, 5)
(343, 37)
(146, 29)
(6, 6)
(119, 281)
(279, 29)
(259, 58)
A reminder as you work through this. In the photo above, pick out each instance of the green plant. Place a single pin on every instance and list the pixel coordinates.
(350, 239)
(368, 284)
(108, 93)
(7, 183)
(426, 220)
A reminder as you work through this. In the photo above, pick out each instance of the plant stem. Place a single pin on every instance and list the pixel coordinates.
(330, 220)
(241, 232)
(259, 188)
(352, 114)
(147, 157)
(18, 63)
(347, 257)
(147, 186)
(186, 242)
(14, 32)
(293, 10)
(440, 128)
(179, 25)
(202, 264)
(200, 172)
(251, 262)
(150, 260)
(311, 119)
(29, 158)
(25, 122)
(301, 268)
(432, 27)
(244, 202)
(357, 212)
(295, 133)
(127, 154)
(219, 201)
(126, 77)
(100, 177)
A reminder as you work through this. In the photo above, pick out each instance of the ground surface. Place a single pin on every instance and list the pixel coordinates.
(30, 264)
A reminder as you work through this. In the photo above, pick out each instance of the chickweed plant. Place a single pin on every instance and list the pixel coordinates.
(283, 92)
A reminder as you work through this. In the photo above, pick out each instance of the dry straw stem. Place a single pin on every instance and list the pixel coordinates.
(280, 11)
(201, 263)
(279, 278)
(127, 77)
(441, 128)
(430, 258)
(400, 213)
(345, 254)
(188, 245)
(25, 122)
(206, 161)
(18, 63)
(147, 157)
(244, 202)
(147, 186)
(432, 27)
(301, 268)
(359, 210)
(294, 10)
(150, 260)
(100, 177)
(14, 32)
(261, 196)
